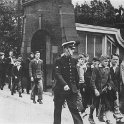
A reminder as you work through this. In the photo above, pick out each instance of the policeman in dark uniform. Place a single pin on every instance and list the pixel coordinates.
(66, 87)
(2, 71)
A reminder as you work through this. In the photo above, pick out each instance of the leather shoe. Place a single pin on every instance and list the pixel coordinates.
(34, 101)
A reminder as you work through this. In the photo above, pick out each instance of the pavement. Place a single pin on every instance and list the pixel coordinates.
(16, 110)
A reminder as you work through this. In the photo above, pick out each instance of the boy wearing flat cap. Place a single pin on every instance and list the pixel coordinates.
(66, 87)
(102, 86)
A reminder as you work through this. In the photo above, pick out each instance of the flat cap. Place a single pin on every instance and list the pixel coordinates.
(37, 52)
(95, 59)
(81, 56)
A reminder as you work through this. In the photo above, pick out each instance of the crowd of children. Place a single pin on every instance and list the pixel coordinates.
(100, 81)
(100, 84)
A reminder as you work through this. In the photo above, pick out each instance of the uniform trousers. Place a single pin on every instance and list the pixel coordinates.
(71, 99)
(37, 89)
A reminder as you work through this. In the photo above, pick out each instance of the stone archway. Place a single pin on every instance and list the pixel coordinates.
(41, 42)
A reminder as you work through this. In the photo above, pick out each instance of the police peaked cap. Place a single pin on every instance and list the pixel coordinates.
(71, 44)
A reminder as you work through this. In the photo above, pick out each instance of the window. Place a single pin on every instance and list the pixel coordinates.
(90, 45)
(98, 45)
(82, 39)
(108, 48)
(113, 49)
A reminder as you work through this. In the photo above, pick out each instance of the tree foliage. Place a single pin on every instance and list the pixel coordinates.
(99, 12)
(10, 35)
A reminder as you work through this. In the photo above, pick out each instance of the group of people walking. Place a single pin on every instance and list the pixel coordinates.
(13, 71)
(98, 83)
(95, 84)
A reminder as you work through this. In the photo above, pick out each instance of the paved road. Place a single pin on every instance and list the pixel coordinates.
(15, 110)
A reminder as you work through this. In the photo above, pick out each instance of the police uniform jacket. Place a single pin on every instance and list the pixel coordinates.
(66, 74)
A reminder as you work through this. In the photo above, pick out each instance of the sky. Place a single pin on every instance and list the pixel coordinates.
(115, 3)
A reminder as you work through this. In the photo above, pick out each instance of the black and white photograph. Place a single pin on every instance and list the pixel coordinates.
(61, 61)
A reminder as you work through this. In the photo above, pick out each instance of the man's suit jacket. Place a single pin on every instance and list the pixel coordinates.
(116, 77)
(36, 69)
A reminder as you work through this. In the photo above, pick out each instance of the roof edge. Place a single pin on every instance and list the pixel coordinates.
(100, 29)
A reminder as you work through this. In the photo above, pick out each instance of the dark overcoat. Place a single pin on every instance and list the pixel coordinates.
(116, 78)
(101, 80)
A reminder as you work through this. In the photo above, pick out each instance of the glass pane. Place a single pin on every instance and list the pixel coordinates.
(82, 46)
(90, 46)
(108, 48)
(113, 49)
(98, 46)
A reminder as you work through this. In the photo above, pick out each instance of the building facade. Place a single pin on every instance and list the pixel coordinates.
(49, 23)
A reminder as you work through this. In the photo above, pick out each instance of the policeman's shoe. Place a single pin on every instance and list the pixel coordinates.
(12, 93)
(91, 120)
